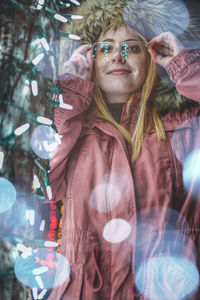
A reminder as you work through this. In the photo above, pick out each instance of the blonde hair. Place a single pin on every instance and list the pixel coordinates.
(147, 118)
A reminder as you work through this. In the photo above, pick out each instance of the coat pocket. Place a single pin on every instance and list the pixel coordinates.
(71, 288)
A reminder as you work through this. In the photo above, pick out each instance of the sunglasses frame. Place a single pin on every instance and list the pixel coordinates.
(116, 46)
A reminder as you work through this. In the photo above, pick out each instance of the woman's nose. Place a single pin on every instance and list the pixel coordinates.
(117, 56)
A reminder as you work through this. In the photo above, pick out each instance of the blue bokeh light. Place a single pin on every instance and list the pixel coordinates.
(44, 141)
(167, 277)
(191, 173)
(182, 144)
(165, 255)
(16, 223)
(7, 195)
(31, 272)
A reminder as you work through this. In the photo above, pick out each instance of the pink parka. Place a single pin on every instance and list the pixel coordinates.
(119, 215)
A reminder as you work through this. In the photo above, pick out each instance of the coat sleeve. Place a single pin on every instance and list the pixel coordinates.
(184, 70)
(78, 93)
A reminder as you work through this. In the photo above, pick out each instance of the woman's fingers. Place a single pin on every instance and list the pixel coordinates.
(82, 49)
(80, 63)
(164, 47)
(90, 59)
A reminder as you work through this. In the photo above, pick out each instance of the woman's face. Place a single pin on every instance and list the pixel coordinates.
(118, 78)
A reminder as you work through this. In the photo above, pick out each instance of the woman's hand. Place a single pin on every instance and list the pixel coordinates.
(164, 47)
(80, 64)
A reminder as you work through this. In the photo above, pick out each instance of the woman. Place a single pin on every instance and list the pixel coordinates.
(130, 228)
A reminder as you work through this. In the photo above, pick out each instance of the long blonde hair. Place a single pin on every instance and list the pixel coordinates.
(147, 119)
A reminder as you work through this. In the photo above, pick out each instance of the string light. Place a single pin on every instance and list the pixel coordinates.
(42, 294)
(30, 215)
(14, 254)
(39, 7)
(41, 2)
(37, 59)
(42, 225)
(34, 87)
(64, 17)
(60, 18)
(45, 177)
(62, 4)
(44, 120)
(50, 244)
(35, 42)
(74, 37)
(52, 232)
(1, 159)
(49, 192)
(25, 90)
(26, 251)
(39, 282)
(75, 2)
(35, 293)
(45, 44)
(73, 17)
(69, 35)
(64, 105)
(36, 183)
(38, 271)
(66, 5)
(22, 129)
(58, 138)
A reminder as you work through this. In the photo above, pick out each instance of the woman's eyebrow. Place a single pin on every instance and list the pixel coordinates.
(127, 40)
(108, 40)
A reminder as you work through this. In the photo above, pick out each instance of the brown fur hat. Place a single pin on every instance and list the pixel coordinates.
(148, 17)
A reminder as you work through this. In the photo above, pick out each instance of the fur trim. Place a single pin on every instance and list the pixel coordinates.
(97, 16)
(168, 99)
(148, 17)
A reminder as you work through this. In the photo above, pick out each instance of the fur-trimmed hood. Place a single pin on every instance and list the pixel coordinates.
(149, 18)
(168, 99)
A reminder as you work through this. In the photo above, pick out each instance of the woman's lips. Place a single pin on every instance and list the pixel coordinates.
(118, 72)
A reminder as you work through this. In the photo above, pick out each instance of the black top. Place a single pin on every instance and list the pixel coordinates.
(115, 110)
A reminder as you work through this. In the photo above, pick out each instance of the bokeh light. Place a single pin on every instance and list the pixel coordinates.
(112, 192)
(43, 269)
(167, 278)
(116, 230)
(191, 173)
(7, 195)
(187, 151)
(182, 147)
(22, 221)
(161, 231)
(105, 197)
(44, 141)
(165, 255)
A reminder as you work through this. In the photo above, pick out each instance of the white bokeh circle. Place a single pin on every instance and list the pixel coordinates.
(116, 230)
